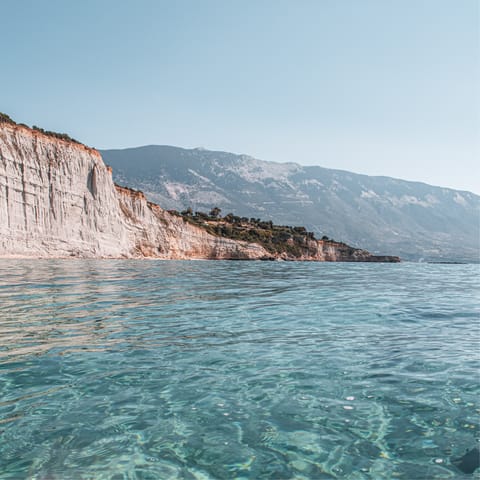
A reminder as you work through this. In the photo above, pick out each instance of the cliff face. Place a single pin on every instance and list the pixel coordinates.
(153, 232)
(57, 199)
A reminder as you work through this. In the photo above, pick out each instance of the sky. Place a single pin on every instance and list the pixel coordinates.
(381, 87)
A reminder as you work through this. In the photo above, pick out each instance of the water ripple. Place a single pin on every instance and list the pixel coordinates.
(138, 369)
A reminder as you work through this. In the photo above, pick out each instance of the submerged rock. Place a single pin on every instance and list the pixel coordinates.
(469, 462)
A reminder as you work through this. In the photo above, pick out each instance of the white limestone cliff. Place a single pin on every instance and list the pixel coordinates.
(57, 199)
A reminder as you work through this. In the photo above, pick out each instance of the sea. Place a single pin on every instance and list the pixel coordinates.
(238, 370)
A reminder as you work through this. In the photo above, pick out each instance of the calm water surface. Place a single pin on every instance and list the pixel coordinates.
(218, 370)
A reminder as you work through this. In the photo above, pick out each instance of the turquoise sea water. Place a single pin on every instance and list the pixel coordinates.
(219, 370)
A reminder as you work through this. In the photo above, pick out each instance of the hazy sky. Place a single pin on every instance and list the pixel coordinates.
(386, 87)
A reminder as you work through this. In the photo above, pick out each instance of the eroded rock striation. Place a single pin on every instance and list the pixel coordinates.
(58, 199)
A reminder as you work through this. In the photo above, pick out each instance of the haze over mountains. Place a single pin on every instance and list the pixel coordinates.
(384, 215)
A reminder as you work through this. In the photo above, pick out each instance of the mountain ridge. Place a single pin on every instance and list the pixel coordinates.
(301, 165)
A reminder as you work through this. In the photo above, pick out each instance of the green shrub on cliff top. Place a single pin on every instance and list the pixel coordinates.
(61, 136)
(274, 238)
(6, 119)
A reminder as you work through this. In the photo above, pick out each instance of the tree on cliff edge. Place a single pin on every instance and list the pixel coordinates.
(215, 212)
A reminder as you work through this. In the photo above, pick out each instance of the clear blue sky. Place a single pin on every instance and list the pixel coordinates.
(385, 87)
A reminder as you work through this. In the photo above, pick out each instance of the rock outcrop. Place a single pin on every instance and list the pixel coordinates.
(58, 199)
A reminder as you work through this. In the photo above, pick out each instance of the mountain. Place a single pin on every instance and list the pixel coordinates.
(58, 199)
(385, 215)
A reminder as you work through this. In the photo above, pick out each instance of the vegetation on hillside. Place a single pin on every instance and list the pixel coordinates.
(295, 241)
(4, 118)
(61, 136)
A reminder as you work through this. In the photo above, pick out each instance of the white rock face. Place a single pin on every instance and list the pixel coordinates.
(57, 199)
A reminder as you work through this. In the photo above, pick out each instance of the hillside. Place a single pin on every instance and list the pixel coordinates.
(385, 215)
